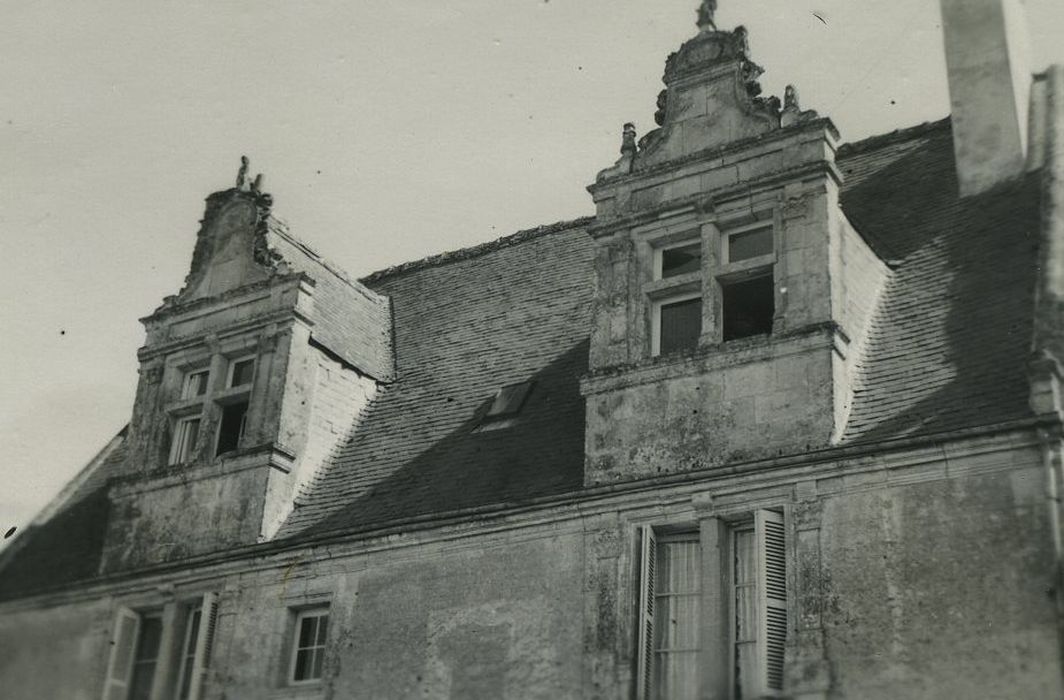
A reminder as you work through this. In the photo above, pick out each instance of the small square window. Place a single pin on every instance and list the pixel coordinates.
(679, 325)
(186, 434)
(241, 372)
(681, 260)
(231, 430)
(508, 400)
(750, 244)
(748, 306)
(195, 384)
(308, 646)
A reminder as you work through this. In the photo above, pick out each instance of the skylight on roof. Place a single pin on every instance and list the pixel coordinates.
(508, 400)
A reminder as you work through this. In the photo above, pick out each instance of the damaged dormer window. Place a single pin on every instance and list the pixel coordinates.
(676, 296)
(505, 406)
(746, 278)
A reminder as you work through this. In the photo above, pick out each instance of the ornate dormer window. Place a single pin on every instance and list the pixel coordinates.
(234, 404)
(676, 294)
(746, 279)
(201, 403)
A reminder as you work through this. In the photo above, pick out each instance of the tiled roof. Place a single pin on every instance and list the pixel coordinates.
(466, 324)
(950, 339)
(67, 545)
(350, 320)
(947, 349)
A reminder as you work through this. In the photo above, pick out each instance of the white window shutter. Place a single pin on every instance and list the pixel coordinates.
(645, 652)
(123, 646)
(204, 644)
(772, 603)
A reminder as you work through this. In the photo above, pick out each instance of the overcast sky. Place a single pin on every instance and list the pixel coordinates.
(387, 131)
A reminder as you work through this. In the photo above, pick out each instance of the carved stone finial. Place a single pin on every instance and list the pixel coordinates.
(241, 175)
(790, 98)
(628, 146)
(792, 112)
(705, 16)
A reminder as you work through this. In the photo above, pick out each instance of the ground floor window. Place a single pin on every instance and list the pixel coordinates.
(751, 609)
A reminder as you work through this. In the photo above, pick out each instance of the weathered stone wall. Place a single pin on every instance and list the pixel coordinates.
(942, 589)
(922, 575)
(337, 394)
(56, 652)
(181, 515)
(756, 401)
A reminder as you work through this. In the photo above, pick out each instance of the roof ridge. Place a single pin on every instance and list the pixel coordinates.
(477, 250)
(880, 140)
(281, 228)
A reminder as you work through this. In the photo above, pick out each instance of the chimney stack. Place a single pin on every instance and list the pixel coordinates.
(989, 86)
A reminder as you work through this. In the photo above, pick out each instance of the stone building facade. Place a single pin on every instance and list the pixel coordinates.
(782, 419)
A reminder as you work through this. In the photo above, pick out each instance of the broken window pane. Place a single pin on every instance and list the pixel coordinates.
(509, 400)
(681, 324)
(749, 244)
(234, 418)
(681, 260)
(748, 307)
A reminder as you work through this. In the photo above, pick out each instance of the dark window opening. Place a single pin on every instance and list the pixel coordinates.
(749, 244)
(748, 307)
(681, 260)
(230, 432)
(681, 325)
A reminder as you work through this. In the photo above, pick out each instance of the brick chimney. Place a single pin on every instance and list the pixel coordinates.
(989, 85)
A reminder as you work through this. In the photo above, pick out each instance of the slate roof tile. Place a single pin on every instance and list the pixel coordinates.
(946, 349)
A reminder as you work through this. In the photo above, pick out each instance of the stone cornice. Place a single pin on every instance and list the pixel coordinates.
(732, 149)
(712, 358)
(855, 468)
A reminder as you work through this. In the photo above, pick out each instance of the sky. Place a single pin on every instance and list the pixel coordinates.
(387, 131)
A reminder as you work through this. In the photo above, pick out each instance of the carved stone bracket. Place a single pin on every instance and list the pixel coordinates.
(153, 374)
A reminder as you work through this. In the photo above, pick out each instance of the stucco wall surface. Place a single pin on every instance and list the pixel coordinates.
(58, 653)
(942, 589)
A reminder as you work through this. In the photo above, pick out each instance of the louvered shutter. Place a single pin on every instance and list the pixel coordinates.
(123, 645)
(772, 594)
(204, 644)
(647, 562)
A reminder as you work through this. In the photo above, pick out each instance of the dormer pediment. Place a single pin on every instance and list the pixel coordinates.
(733, 295)
(231, 246)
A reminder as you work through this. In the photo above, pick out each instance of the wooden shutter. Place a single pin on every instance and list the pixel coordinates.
(645, 651)
(772, 599)
(123, 646)
(204, 644)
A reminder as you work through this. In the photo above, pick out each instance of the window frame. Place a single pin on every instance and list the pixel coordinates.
(181, 452)
(693, 238)
(718, 609)
(174, 638)
(662, 291)
(186, 383)
(726, 272)
(231, 370)
(242, 399)
(298, 615)
(655, 315)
